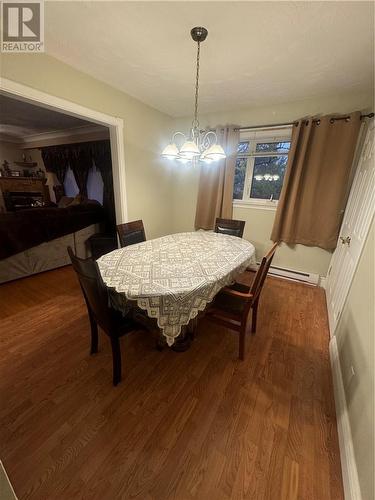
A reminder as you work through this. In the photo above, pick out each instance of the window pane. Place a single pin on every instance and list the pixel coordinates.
(239, 178)
(268, 176)
(95, 185)
(70, 185)
(243, 147)
(272, 147)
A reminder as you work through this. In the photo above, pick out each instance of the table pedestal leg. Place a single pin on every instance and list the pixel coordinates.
(183, 341)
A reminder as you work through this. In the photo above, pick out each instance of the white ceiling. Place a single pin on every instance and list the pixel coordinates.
(255, 53)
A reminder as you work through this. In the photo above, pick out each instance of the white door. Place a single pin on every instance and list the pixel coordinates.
(355, 226)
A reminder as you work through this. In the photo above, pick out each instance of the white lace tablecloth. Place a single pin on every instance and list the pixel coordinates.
(174, 277)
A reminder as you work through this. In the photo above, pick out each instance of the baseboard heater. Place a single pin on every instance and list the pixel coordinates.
(291, 274)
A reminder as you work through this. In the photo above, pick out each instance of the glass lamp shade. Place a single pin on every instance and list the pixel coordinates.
(215, 152)
(204, 158)
(189, 150)
(170, 152)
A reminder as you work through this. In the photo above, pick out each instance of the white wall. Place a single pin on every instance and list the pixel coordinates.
(355, 339)
(259, 222)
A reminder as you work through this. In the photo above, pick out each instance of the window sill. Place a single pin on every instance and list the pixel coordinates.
(258, 205)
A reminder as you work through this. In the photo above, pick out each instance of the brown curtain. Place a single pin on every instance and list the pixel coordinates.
(316, 183)
(215, 195)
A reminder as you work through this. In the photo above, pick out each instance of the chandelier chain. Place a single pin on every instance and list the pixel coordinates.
(195, 121)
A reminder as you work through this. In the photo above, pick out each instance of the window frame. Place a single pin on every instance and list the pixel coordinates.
(254, 136)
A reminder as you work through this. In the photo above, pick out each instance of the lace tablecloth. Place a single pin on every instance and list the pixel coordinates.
(174, 277)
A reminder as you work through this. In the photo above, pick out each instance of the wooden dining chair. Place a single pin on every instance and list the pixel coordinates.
(230, 226)
(131, 233)
(113, 323)
(231, 306)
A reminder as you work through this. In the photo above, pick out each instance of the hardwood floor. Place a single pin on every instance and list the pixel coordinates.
(194, 425)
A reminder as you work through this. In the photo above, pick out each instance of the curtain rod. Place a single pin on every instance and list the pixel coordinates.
(369, 115)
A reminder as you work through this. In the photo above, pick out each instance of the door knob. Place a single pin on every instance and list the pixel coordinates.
(345, 240)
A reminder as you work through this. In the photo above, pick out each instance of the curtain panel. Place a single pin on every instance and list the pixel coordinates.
(80, 161)
(56, 161)
(80, 158)
(316, 184)
(215, 193)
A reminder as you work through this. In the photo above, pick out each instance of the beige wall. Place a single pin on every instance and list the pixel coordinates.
(11, 152)
(259, 222)
(355, 338)
(145, 131)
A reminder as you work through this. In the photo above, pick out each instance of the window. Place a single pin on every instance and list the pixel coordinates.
(262, 156)
(70, 185)
(95, 185)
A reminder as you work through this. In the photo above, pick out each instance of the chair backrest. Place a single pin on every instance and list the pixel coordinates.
(261, 274)
(230, 227)
(93, 288)
(131, 233)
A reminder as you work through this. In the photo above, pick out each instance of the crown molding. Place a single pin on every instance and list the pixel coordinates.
(61, 134)
(11, 139)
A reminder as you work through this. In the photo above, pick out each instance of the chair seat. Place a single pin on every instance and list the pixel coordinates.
(229, 304)
(232, 307)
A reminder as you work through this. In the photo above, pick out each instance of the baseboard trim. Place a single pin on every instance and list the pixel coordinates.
(292, 275)
(323, 281)
(348, 464)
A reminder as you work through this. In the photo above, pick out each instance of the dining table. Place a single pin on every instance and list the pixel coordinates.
(174, 277)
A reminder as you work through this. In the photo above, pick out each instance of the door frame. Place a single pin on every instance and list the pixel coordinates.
(115, 125)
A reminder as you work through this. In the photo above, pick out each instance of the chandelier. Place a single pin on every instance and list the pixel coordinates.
(200, 145)
(267, 177)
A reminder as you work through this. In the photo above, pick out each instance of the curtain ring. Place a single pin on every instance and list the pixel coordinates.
(347, 119)
(318, 122)
(332, 120)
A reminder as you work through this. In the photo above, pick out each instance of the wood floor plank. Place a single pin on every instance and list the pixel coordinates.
(198, 425)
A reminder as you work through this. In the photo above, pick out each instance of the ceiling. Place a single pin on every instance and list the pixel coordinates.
(19, 119)
(256, 53)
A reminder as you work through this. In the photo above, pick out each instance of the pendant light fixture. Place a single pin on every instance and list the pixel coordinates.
(199, 145)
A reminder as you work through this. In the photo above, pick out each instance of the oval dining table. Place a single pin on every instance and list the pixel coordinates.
(174, 277)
